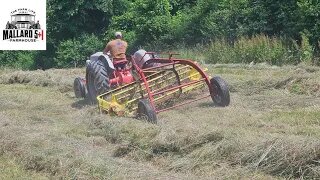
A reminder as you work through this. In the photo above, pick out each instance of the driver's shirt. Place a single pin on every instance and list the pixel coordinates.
(117, 48)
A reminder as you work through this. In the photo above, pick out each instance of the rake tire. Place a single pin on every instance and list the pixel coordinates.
(146, 110)
(221, 89)
(79, 88)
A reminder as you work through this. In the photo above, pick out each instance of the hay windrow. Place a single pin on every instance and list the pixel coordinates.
(271, 130)
(57, 78)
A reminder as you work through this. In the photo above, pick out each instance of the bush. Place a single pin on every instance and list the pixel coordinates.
(74, 52)
(306, 50)
(18, 59)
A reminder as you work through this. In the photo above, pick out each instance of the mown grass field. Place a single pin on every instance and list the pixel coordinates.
(271, 130)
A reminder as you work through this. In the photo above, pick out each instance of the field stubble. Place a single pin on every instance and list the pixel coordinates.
(271, 130)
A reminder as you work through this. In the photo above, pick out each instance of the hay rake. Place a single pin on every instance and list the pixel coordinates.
(161, 84)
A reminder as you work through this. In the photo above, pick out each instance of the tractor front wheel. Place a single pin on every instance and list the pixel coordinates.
(221, 95)
(97, 80)
(79, 88)
(146, 111)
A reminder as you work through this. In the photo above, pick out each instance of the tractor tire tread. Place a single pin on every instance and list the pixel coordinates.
(97, 72)
(222, 89)
(145, 108)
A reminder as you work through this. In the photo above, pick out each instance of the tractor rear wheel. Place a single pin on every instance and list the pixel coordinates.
(146, 111)
(221, 96)
(97, 80)
(79, 88)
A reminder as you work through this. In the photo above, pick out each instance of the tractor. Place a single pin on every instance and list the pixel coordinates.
(147, 83)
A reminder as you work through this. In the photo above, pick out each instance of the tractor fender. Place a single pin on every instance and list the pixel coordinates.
(105, 59)
(140, 57)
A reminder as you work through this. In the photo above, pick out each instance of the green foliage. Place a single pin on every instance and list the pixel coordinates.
(226, 20)
(18, 59)
(69, 19)
(275, 17)
(74, 52)
(145, 21)
(306, 50)
(310, 12)
(292, 27)
(246, 50)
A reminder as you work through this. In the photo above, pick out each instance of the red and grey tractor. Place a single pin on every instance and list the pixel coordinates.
(147, 83)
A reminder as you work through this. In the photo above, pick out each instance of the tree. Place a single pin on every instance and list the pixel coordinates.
(310, 12)
(144, 21)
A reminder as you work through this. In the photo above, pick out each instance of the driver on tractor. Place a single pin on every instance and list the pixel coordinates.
(117, 48)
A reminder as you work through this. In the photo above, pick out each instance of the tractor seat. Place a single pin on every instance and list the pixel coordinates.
(120, 63)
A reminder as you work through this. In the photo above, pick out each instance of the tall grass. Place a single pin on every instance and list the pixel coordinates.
(260, 48)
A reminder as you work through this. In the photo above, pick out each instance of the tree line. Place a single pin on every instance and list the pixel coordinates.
(76, 29)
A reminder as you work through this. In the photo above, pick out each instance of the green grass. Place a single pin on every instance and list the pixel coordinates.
(11, 169)
(269, 131)
(260, 49)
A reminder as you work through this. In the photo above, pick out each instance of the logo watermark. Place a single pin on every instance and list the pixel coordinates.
(25, 28)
